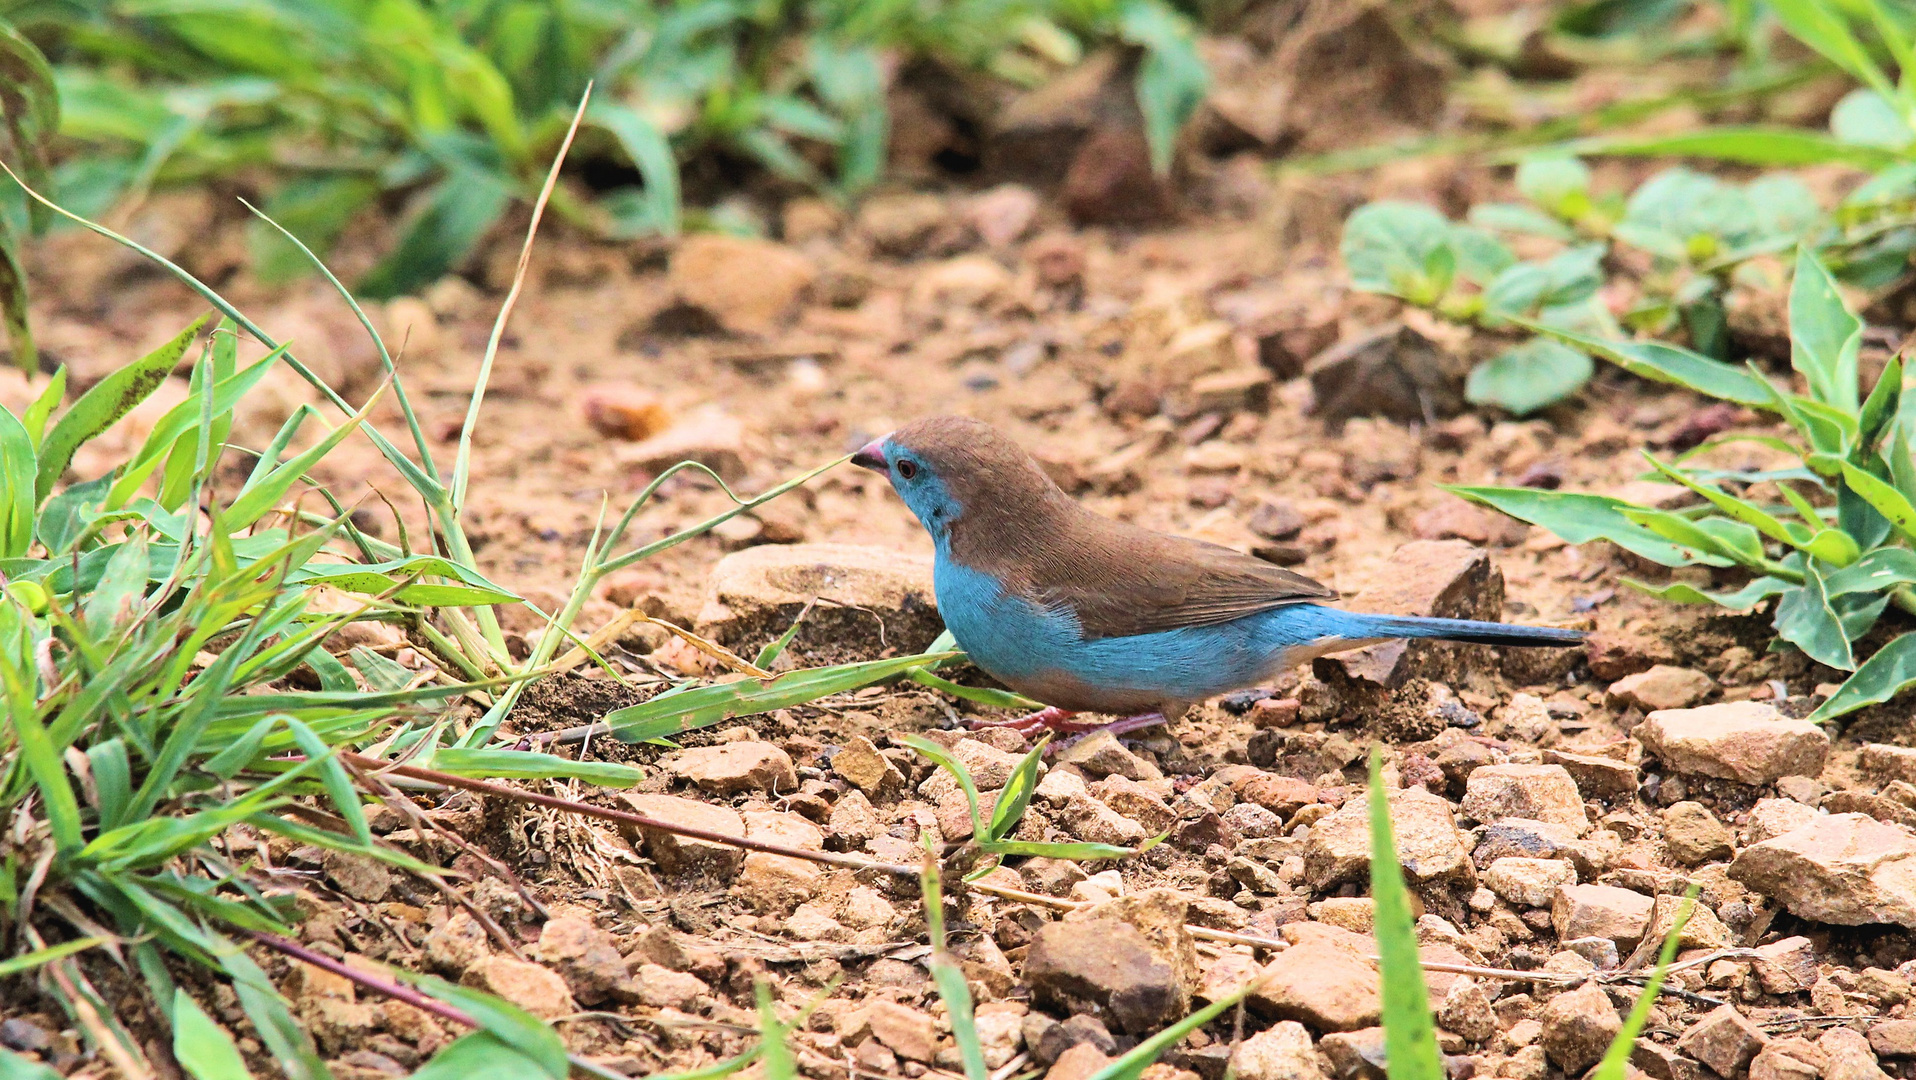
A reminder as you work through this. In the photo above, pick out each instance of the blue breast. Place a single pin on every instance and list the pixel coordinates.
(1042, 652)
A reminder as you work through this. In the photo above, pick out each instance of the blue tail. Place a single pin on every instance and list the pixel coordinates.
(1361, 625)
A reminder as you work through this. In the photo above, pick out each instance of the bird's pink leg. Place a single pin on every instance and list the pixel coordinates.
(1059, 720)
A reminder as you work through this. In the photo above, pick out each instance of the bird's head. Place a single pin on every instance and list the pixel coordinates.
(952, 470)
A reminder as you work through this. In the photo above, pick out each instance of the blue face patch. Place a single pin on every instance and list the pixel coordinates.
(924, 493)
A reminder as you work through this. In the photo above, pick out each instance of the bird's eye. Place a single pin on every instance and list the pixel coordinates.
(907, 469)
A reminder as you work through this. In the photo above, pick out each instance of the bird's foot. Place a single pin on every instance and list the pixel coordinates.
(1059, 720)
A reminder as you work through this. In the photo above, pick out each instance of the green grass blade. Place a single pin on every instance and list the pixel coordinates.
(1133, 1062)
(526, 765)
(1616, 1059)
(1410, 1038)
(704, 706)
(204, 1049)
(106, 402)
(948, 976)
(944, 760)
(14, 965)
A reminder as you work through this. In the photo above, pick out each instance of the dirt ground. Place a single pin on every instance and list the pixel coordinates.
(1157, 373)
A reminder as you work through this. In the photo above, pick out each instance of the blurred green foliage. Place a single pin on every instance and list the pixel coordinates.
(334, 105)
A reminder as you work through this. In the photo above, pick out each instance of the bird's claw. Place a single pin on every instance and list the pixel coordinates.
(1059, 720)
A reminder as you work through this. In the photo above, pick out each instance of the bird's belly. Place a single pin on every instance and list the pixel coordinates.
(1041, 653)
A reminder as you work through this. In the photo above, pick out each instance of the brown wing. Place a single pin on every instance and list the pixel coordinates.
(1122, 580)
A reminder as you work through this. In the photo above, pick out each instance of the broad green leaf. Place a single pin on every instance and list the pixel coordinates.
(1519, 218)
(1661, 362)
(1784, 206)
(1824, 336)
(1172, 79)
(525, 765)
(1389, 247)
(656, 205)
(1410, 1037)
(944, 759)
(1557, 182)
(1742, 599)
(1726, 550)
(204, 1049)
(482, 1056)
(1568, 277)
(1882, 498)
(1531, 376)
(1480, 256)
(982, 695)
(1883, 676)
(1582, 518)
(106, 402)
(1863, 117)
(1882, 569)
(510, 1024)
(1882, 405)
(704, 706)
(1805, 619)
(38, 413)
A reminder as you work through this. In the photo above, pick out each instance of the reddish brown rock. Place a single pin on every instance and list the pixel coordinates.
(538, 990)
(1662, 687)
(1603, 911)
(746, 285)
(1578, 1027)
(1846, 869)
(678, 854)
(1746, 741)
(1724, 1039)
(1320, 985)
(734, 767)
(1543, 793)
(1428, 843)
(1444, 578)
(752, 596)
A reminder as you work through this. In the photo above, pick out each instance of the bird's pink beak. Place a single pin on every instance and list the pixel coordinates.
(872, 455)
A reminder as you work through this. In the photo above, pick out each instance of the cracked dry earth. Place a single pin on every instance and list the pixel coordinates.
(1213, 379)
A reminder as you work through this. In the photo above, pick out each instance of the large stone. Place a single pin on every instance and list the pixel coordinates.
(746, 285)
(1693, 835)
(1893, 1038)
(1443, 578)
(1724, 1040)
(1885, 762)
(733, 767)
(679, 854)
(1746, 741)
(909, 1033)
(1603, 911)
(1662, 687)
(1105, 967)
(1538, 792)
(538, 990)
(1428, 843)
(1321, 985)
(1792, 1058)
(1848, 1056)
(1393, 372)
(1771, 818)
(1787, 966)
(1847, 869)
(1597, 776)
(776, 884)
(1282, 1051)
(1578, 1027)
(587, 958)
(753, 595)
(871, 772)
(1529, 882)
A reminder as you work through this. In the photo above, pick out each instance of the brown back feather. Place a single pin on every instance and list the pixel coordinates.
(1119, 579)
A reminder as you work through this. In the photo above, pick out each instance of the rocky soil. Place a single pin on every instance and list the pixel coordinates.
(1211, 377)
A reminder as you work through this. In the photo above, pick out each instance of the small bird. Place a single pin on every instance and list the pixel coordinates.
(1087, 614)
